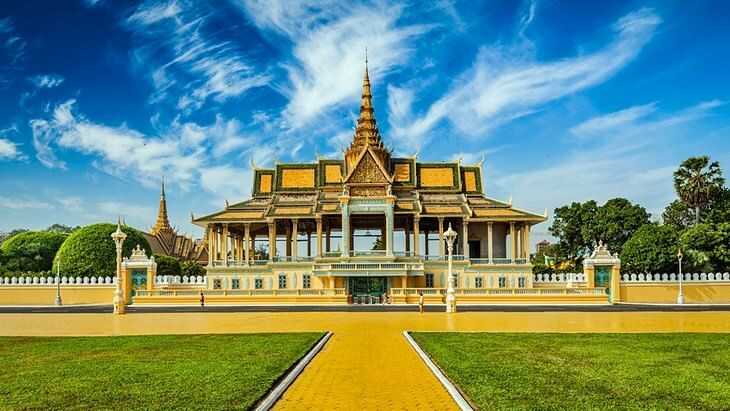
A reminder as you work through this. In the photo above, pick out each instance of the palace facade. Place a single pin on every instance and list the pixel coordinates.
(366, 227)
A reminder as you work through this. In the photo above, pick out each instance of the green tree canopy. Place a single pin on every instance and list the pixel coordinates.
(579, 226)
(167, 265)
(707, 247)
(698, 182)
(192, 269)
(90, 251)
(31, 250)
(652, 249)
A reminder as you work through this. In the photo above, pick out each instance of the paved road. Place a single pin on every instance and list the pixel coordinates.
(97, 309)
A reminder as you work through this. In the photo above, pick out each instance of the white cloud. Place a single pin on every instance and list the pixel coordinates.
(9, 150)
(23, 204)
(46, 80)
(503, 85)
(227, 182)
(329, 41)
(71, 203)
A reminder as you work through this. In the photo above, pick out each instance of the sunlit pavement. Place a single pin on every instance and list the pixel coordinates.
(367, 364)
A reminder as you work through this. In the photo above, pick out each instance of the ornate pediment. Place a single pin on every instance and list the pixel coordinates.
(368, 171)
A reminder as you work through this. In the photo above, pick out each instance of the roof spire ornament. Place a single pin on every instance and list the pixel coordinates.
(162, 223)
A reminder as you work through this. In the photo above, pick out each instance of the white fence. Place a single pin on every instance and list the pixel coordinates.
(52, 280)
(672, 277)
(180, 280)
(559, 278)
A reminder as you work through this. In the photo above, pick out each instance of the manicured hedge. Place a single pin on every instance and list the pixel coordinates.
(192, 269)
(31, 251)
(167, 265)
(90, 251)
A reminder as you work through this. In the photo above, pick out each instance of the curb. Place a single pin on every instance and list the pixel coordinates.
(273, 396)
(450, 387)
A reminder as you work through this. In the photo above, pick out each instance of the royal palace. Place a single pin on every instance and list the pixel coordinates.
(368, 227)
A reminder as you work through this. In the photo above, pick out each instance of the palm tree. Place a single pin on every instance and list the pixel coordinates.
(698, 182)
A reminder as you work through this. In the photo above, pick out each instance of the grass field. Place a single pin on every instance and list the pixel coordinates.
(145, 372)
(586, 371)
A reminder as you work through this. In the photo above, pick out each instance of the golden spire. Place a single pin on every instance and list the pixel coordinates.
(366, 131)
(162, 223)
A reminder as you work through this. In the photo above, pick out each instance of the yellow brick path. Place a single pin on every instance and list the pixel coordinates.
(367, 364)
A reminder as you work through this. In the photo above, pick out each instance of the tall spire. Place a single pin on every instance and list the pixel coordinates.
(162, 223)
(366, 131)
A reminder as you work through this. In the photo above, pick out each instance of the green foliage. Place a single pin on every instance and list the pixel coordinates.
(678, 215)
(192, 269)
(581, 225)
(698, 182)
(652, 249)
(706, 247)
(31, 251)
(90, 251)
(585, 371)
(62, 228)
(6, 236)
(167, 265)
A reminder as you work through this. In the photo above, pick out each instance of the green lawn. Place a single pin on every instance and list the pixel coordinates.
(145, 372)
(586, 371)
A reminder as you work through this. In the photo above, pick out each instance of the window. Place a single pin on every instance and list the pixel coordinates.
(478, 282)
(258, 283)
(502, 282)
(456, 280)
(235, 283)
(217, 284)
(429, 280)
(521, 282)
(306, 281)
(282, 280)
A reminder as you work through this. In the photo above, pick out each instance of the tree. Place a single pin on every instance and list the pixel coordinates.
(192, 269)
(570, 225)
(167, 265)
(652, 248)
(62, 228)
(6, 236)
(616, 221)
(678, 215)
(697, 182)
(31, 251)
(707, 247)
(90, 251)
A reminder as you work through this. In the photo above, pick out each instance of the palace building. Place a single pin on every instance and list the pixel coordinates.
(366, 227)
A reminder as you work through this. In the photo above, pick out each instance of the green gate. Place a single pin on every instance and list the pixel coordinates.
(139, 281)
(367, 290)
(603, 277)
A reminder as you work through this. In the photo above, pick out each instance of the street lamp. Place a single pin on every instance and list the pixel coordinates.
(449, 237)
(680, 296)
(58, 283)
(118, 237)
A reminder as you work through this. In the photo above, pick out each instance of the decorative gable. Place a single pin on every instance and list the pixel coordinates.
(368, 170)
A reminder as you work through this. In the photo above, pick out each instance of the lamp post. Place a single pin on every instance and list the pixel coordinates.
(680, 296)
(449, 237)
(58, 283)
(118, 237)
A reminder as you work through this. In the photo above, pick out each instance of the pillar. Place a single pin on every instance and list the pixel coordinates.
(224, 244)
(389, 230)
(442, 246)
(513, 240)
(319, 237)
(526, 240)
(294, 240)
(465, 238)
(416, 235)
(211, 245)
(490, 238)
(345, 230)
(247, 242)
(615, 284)
(272, 240)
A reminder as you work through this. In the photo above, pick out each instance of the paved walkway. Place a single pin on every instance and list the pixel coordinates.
(367, 364)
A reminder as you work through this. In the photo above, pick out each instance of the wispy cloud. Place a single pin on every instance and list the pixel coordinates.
(607, 122)
(23, 204)
(12, 50)
(187, 58)
(9, 150)
(502, 85)
(46, 80)
(328, 44)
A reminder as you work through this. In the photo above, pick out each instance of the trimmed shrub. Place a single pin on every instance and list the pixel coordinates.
(167, 265)
(192, 269)
(90, 251)
(31, 251)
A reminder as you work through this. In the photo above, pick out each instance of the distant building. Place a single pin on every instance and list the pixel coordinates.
(542, 246)
(164, 239)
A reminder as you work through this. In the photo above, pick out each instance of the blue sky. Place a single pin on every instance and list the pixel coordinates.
(564, 100)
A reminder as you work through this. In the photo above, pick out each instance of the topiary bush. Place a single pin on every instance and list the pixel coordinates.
(90, 251)
(31, 251)
(167, 265)
(192, 269)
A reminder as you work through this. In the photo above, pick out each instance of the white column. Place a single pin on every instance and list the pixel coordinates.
(345, 230)
(224, 241)
(465, 239)
(442, 251)
(319, 237)
(389, 230)
(416, 235)
(272, 240)
(295, 238)
(247, 242)
(513, 239)
(211, 244)
(490, 238)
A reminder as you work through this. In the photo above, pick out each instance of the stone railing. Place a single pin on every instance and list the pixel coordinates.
(501, 291)
(559, 278)
(52, 280)
(163, 280)
(368, 267)
(254, 292)
(672, 277)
